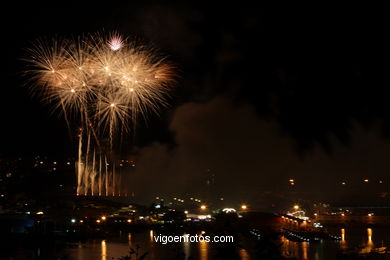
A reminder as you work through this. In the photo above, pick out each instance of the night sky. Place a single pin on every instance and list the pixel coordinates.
(264, 94)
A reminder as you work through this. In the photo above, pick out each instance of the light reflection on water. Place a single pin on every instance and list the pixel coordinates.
(244, 254)
(364, 236)
(343, 243)
(370, 244)
(104, 250)
(204, 250)
(359, 237)
(151, 236)
(186, 247)
(115, 248)
(294, 249)
(119, 247)
(305, 250)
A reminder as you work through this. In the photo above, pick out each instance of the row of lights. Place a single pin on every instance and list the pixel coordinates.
(343, 214)
(292, 182)
(243, 207)
(181, 200)
(369, 214)
(54, 163)
(365, 181)
(103, 218)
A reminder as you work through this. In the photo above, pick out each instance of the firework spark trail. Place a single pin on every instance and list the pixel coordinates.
(106, 176)
(79, 170)
(93, 173)
(104, 84)
(100, 175)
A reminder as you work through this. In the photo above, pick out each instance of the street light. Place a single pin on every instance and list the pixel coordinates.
(244, 207)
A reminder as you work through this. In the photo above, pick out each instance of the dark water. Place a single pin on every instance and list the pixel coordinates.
(119, 247)
(363, 233)
(359, 234)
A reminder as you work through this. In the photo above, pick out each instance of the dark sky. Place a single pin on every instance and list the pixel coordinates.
(264, 92)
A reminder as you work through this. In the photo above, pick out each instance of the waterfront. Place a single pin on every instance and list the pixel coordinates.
(366, 234)
(358, 234)
(119, 247)
(354, 237)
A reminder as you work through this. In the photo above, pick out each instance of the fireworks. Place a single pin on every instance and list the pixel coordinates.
(116, 42)
(104, 84)
(109, 79)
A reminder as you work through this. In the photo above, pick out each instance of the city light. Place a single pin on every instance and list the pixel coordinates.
(103, 218)
(228, 210)
(296, 207)
(317, 225)
(365, 180)
(73, 220)
(203, 207)
(244, 207)
(203, 217)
